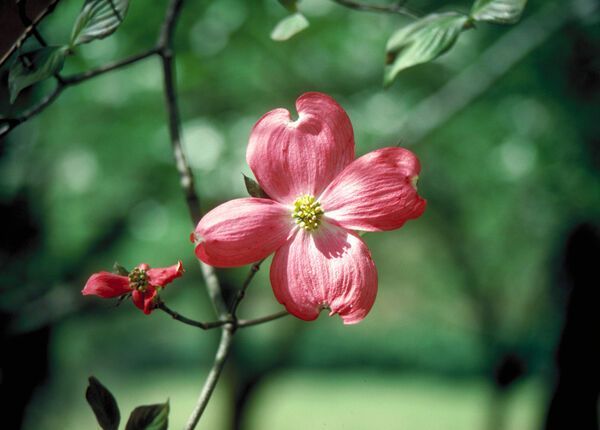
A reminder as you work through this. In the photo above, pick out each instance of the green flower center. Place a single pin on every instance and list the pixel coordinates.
(307, 212)
(138, 279)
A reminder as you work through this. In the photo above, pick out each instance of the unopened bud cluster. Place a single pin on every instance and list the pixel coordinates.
(138, 279)
(307, 212)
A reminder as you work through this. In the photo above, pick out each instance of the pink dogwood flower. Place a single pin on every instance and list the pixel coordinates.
(319, 197)
(142, 283)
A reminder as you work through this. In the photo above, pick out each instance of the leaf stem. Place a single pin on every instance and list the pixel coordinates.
(242, 292)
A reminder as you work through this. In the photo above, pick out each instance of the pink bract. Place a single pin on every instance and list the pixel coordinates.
(319, 197)
(109, 285)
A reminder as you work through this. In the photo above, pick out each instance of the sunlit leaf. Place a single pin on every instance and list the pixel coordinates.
(103, 404)
(98, 19)
(151, 417)
(498, 11)
(421, 42)
(289, 26)
(33, 67)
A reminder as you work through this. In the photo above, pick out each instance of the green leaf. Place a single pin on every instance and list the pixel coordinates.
(498, 11)
(103, 404)
(33, 67)
(254, 189)
(120, 270)
(151, 417)
(421, 42)
(98, 19)
(289, 26)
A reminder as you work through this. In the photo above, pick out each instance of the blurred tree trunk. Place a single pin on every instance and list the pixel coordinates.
(575, 399)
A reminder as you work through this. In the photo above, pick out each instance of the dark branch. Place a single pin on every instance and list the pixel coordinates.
(397, 8)
(28, 23)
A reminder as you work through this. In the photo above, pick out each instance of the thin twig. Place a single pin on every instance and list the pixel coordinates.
(177, 316)
(67, 81)
(256, 321)
(81, 77)
(242, 292)
(220, 323)
(391, 8)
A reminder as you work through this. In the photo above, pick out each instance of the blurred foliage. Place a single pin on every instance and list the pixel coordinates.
(92, 180)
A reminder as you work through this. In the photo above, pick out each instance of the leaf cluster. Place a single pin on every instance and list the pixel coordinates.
(106, 410)
(421, 41)
(431, 36)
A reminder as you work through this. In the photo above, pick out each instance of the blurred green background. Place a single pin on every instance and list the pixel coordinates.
(505, 126)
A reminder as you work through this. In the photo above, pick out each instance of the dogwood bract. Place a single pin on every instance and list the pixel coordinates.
(142, 283)
(319, 197)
